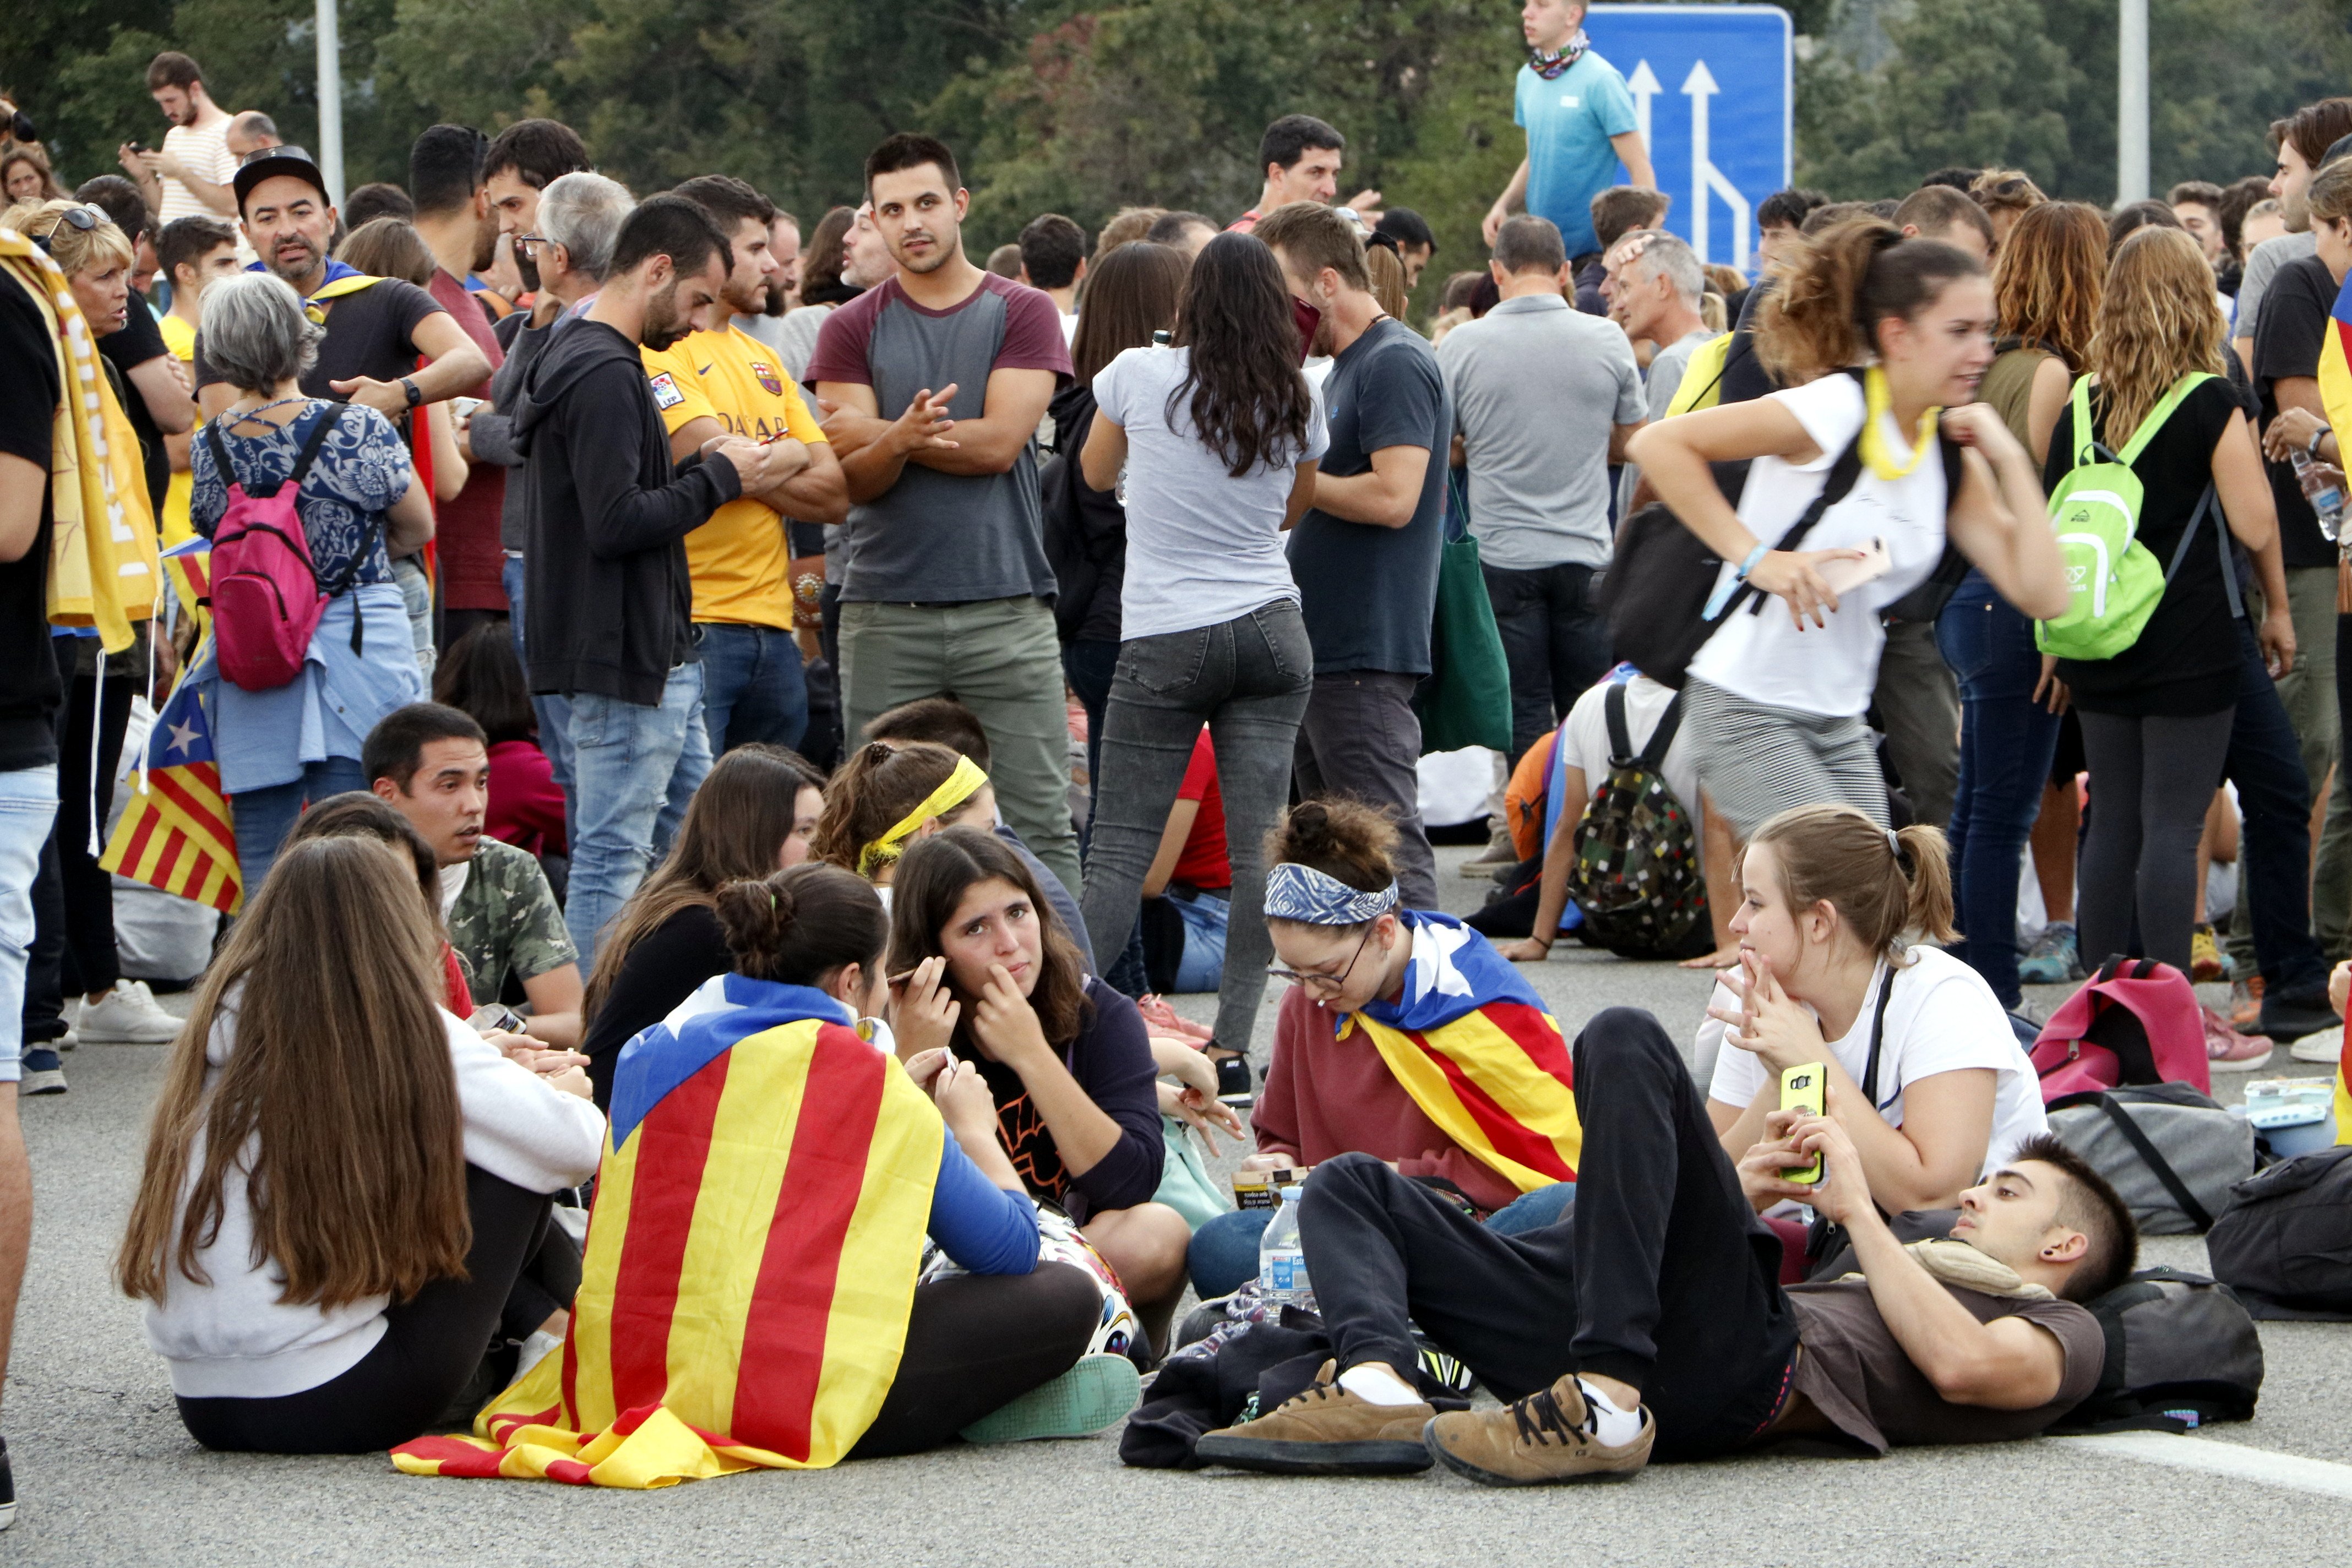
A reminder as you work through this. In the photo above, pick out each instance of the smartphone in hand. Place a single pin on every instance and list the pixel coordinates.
(1801, 1090)
(1845, 576)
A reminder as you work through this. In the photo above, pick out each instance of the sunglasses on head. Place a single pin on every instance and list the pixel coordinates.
(85, 218)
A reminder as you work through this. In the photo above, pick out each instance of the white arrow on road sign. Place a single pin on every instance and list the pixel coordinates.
(1700, 86)
(1644, 85)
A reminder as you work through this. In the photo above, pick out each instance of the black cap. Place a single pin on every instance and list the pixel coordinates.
(268, 163)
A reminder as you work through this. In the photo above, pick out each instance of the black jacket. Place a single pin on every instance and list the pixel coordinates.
(606, 520)
(1086, 529)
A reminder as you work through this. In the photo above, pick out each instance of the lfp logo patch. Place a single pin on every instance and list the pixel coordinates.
(666, 392)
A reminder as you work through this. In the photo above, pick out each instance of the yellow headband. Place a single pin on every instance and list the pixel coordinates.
(961, 786)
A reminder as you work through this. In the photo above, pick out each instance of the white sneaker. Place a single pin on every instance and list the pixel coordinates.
(127, 1015)
(2328, 1046)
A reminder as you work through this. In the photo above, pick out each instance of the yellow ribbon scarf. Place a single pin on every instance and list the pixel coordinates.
(961, 786)
(102, 563)
(1878, 401)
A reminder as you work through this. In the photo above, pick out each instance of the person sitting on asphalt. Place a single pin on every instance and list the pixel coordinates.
(1656, 1326)
(944, 722)
(755, 812)
(1404, 1036)
(326, 1254)
(990, 974)
(355, 814)
(432, 765)
(1930, 1080)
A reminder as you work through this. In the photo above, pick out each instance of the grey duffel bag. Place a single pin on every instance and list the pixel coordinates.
(2171, 1152)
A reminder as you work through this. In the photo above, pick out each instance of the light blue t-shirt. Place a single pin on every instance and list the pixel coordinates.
(1568, 121)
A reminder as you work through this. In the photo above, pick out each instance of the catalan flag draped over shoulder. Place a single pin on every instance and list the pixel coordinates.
(750, 1263)
(2335, 368)
(1471, 1042)
(176, 834)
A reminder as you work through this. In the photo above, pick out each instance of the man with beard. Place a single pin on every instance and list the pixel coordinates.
(454, 219)
(377, 327)
(191, 174)
(784, 290)
(939, 374)
(607, 514)
(724, 382)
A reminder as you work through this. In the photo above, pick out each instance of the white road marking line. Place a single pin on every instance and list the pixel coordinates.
(2265, 1467)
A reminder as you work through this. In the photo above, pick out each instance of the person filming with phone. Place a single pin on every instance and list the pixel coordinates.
(1862, 474)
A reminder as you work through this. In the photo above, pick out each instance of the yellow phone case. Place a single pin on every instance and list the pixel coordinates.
(1801, 1090)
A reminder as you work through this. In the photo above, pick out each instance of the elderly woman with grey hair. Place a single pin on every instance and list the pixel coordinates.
(360, 505)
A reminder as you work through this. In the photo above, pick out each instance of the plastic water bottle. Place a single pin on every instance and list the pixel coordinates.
(1281, 1265)
(2326, 497)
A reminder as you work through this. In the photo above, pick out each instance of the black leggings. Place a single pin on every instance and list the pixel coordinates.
(2151, 782)
(1662, 1276)
(978, 1342)
(432, 1344)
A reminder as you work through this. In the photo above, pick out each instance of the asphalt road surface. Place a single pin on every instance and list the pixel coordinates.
(106, 1475)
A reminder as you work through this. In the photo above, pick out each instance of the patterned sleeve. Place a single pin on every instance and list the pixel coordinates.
(207, 489)
(542, 944)
(369, 461)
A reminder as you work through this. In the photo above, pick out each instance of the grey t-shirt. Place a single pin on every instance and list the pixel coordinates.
(1202, 547)
(2261, 268)
(1368, 591)
(1536, 387)
(1666, 379)
(936, 538)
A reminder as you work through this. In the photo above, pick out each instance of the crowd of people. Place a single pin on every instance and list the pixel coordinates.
(823, 688)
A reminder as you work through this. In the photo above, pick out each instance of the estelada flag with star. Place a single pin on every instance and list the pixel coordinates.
(176, 833)
(751, 1263)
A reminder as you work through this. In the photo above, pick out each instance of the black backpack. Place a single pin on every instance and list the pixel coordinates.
(1661, 575)
(2181, 1350)
(1636, 874)
(2285, 1245)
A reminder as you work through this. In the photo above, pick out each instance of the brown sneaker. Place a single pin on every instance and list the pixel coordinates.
(1535, 1441)
(1325, 1431)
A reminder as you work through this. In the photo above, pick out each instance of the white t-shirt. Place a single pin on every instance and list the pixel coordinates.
(1586, 738)
(1202, 547)
(204, 154)
(1829, 671)
(1942, 1017)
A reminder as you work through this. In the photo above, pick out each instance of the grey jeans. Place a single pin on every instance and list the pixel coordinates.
(1246, 679)
(1361, 738)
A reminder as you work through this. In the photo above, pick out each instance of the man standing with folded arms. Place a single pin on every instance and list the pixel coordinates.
(938, 377)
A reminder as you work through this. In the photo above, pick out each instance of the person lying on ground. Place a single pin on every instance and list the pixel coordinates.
(1654, 1327)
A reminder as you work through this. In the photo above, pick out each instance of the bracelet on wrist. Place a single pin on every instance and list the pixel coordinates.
(2311, 448)
(1753, 556)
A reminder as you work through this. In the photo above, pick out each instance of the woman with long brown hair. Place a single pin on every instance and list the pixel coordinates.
(755, 813)
(2045, 287)
(986, 972)
(2157, 716)
(342, 1181)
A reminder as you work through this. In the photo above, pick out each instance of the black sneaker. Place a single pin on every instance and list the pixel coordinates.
(7, 1488)
(43, 1072)
(1235, 1085)
(2286, 1017)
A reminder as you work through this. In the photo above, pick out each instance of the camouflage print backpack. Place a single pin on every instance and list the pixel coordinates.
(1636, 876)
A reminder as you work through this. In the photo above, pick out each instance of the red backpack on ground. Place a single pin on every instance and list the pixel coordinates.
(2134, 1022)
(267, 599)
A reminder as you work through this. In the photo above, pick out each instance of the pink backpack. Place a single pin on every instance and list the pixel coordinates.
(2134, 1022)
(267, 599)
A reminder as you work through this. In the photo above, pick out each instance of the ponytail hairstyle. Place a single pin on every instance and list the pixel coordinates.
(1840, 285)
(870, 793)
(1882, 883)
(798, 925)
(1344, 839)
(932, 880)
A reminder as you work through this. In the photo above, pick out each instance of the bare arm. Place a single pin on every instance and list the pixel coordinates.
(1386, 497)
(454, 363)
(1636, 158)
(555, 999)
(1559, 855)
(816, 491)
(873, 451)
(1180, 817)
(1507, 201)
(23, 487)
(2241, 484)
(1618, 436)
(163, 386)
(448, 467)
(991, 444)
(1302, 494)
(1104, 453)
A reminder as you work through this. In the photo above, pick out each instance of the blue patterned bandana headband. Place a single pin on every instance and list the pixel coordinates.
(1301, 893)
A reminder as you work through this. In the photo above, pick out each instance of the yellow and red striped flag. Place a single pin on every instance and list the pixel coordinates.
(751, 1263)
(1472, 1043)
(176, 834)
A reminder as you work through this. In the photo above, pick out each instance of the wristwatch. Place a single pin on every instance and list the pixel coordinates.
(2312, 445)
(415, 393)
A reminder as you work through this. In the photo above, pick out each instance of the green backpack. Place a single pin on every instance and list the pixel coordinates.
(2117, 584)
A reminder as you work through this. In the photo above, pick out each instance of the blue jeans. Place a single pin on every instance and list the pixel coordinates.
(2007, 742)
(635, 768)
(263, 817)
(752, 687)
(1224, 1254)
(1207, 918)
(2265, 762)
(28, 811)
(554, 709)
